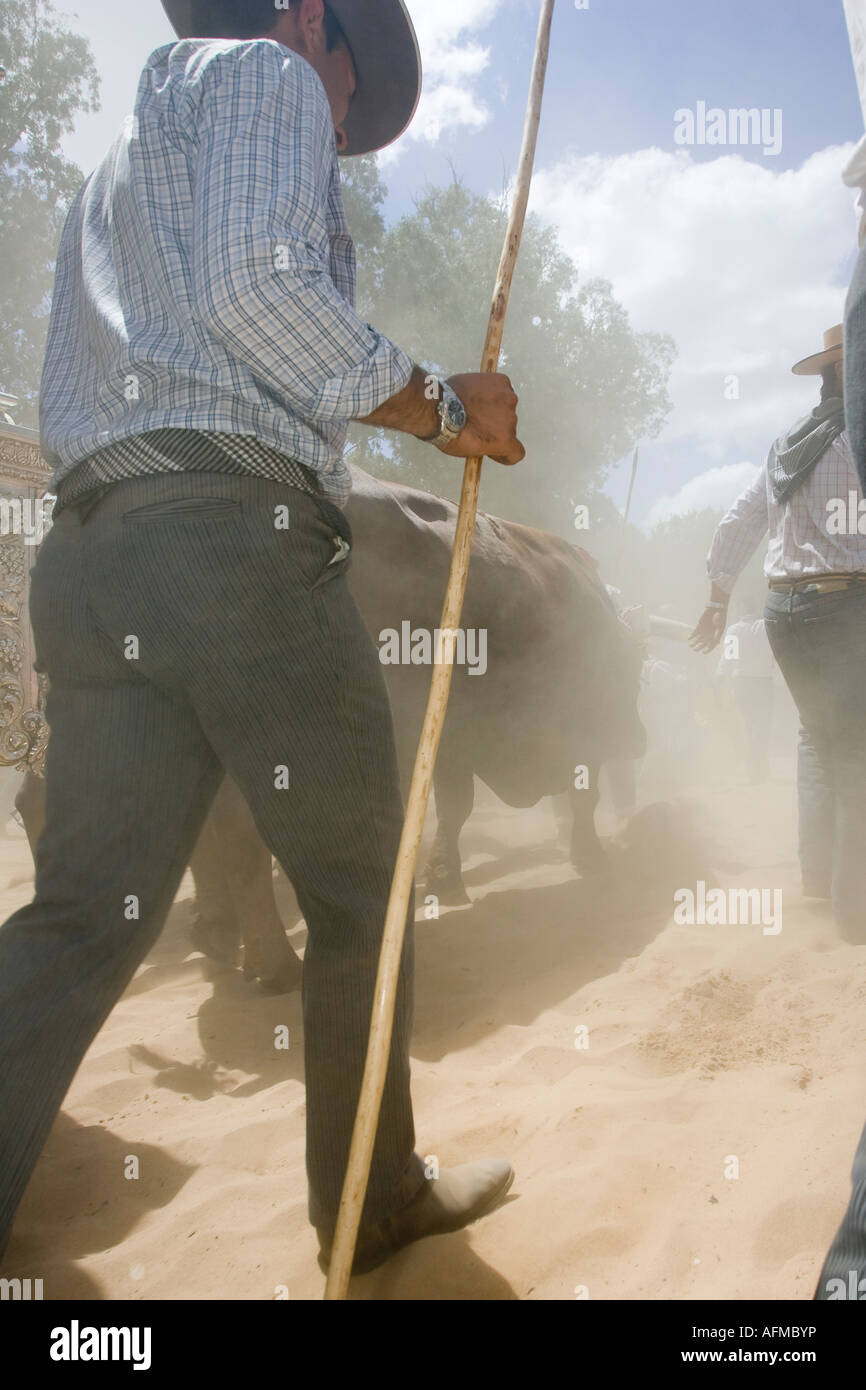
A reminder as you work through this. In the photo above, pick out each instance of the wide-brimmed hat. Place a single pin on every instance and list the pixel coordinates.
(814, 365)
(387, 62)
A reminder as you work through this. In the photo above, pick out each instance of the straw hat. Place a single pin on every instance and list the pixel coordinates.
(814, 365)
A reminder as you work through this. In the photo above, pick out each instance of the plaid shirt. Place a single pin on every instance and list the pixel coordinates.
(206, 277)
(805, 535)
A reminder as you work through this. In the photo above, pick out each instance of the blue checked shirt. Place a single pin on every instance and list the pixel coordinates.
(206, 277)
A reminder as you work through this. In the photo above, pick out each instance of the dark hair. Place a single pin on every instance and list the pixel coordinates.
(250, 19)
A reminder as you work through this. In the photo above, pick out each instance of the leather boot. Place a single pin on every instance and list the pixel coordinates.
(447, 1203)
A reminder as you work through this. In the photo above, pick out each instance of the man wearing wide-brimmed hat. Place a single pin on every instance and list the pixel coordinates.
(808, 497)
(190, 605)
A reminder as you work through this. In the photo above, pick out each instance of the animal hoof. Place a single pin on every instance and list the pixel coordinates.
(283, 980)
(447, 886)
(216, 940)
(591, 865)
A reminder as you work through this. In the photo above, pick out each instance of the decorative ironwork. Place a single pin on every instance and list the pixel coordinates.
(23, 731)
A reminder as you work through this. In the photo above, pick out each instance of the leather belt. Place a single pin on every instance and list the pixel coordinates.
(820, 583)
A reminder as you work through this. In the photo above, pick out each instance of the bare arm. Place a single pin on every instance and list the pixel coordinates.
(711, 625)
(735, 541)
(491, 407)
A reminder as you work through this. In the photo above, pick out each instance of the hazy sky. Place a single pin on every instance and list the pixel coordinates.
(741, 251)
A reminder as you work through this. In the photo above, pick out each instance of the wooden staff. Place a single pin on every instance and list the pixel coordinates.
(379, 1046)
(627, 511)
(621, 554)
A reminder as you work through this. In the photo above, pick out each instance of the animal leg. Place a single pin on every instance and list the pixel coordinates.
(215, 931)
(455, 794)
(267, 953)
(587, 854)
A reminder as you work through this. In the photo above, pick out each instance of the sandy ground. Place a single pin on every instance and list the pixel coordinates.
(711, 1049)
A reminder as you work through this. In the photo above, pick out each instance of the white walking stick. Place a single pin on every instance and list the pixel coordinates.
(378, 1049)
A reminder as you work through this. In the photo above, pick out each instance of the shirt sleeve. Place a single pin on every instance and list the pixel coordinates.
(738, 534)
(263, 255)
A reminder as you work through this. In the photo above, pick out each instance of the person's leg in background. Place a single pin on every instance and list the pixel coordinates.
(823, 658)
(129, 778)
(816, 796)
(839, 639)
(816, 791)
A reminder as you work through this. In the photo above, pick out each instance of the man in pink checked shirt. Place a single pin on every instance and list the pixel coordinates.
(808, 497)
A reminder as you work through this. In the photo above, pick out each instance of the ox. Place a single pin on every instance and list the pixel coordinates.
(556, 691)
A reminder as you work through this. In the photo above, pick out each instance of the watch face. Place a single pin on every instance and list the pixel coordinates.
(455, 412)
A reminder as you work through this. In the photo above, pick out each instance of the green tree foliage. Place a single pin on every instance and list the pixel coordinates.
(589, 385)
(363, 197)
(49, 76)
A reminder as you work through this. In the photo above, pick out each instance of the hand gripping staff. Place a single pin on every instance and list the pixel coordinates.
(378, 1048)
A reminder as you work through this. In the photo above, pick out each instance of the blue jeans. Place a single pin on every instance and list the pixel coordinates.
(819, 641)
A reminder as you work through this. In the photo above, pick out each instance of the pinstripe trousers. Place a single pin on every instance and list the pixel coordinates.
(191, 623)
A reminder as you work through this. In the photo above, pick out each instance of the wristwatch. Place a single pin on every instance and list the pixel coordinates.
(452, 417)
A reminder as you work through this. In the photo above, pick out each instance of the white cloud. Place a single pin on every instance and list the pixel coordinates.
(716, 488)
(441, 26)
(452, 61)
(740, 262)
(442, 109)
